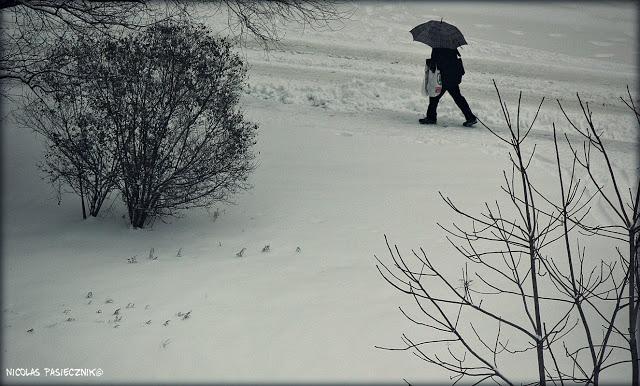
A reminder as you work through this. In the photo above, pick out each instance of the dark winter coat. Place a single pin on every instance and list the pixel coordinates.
(450, 65)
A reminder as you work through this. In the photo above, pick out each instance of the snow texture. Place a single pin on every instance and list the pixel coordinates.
(342, 160)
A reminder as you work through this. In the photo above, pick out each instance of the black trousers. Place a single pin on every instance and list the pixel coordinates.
(454, 91)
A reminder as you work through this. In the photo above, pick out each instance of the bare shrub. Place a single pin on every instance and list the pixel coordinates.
(156, 112)
(526, 247)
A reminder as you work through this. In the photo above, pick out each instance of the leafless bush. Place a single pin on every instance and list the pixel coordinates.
(80, 152)
(623, 202)
(521, 248)
(155, 112)
(170, 96)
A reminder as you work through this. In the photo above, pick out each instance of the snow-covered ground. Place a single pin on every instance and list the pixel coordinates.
(342, 161)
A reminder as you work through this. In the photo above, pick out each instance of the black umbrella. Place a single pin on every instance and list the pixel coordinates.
(438, 34)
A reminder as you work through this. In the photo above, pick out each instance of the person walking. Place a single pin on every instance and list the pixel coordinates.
(444, 38)
(449, 63)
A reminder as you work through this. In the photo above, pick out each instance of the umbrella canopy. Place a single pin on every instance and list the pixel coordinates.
(438, 34)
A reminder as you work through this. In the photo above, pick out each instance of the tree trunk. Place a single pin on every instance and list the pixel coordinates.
(84, 210)
(634, 256)
(139, 218)
(633, 317)
(536, 303)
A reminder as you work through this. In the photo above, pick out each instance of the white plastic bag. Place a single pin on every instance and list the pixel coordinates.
(424, 83)
(433, 82)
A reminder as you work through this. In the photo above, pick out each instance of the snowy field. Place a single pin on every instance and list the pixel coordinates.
(342, 161)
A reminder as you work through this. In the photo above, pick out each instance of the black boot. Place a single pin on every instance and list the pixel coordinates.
(427, 121)
(470, 122)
